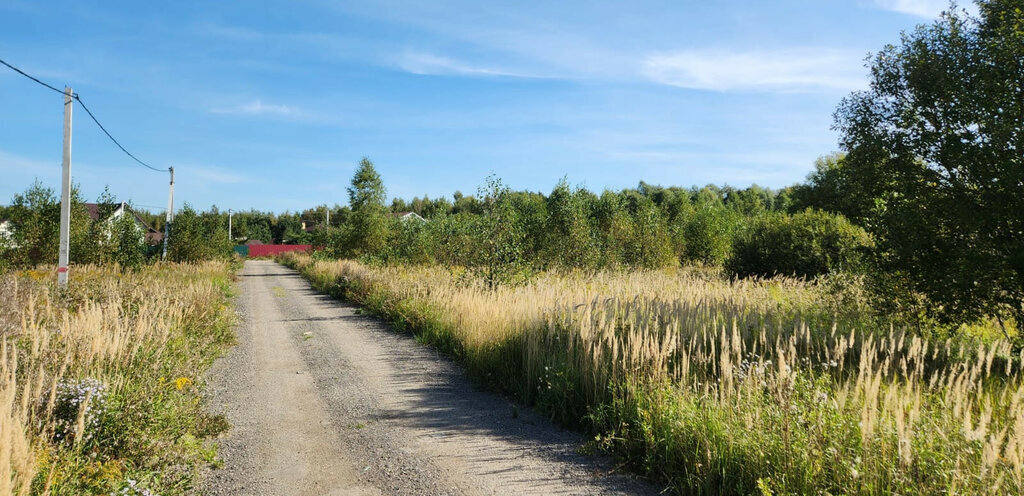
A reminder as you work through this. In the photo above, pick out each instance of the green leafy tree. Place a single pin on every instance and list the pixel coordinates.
(340, 215)
(709, 195)
(615, 229)
(367, 231)
(100, 234)
(832, 187)
(35, 216)
(468, 204)
(185, 242)
(937, 143)
(287, 229)
(498, 237)
(129, 241)
(708, 234)
(570, 240)
(106, 204)
(751, 201)
(806, 244)
(455, 239)
(367, 190)
(532, 214)
(82, 248)
(650, 246)
(413, 242)
(258, 228)
(399, 205)
(436, 208)
(196, 237)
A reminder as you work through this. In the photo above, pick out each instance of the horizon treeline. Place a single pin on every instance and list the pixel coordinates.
(570, 227)
(506, 234)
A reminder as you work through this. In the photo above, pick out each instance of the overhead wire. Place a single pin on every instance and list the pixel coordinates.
(87, 111)
(23, 73)
(76, 97)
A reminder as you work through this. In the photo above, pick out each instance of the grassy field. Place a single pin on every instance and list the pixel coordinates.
(723, 387)
(99, 386)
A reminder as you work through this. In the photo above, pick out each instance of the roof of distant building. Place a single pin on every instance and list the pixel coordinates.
(407, 215)
(152, 235)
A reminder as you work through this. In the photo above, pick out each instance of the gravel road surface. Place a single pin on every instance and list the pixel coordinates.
(323, 400)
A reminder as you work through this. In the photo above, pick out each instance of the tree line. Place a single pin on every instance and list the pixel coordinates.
(510, 232)
(507, 234)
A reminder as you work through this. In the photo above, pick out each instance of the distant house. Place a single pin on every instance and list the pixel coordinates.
(408, 216)
(152, 236)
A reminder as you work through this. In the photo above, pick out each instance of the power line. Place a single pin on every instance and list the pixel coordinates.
(19, 71)
(87, 111)
(76, 97)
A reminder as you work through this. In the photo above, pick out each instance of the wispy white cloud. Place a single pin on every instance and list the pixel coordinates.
(792, 70)
(430, 64)
(257, 107)
(285, 112)
(928, 9)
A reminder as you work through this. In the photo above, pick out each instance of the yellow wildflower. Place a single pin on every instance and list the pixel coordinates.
(181, 382)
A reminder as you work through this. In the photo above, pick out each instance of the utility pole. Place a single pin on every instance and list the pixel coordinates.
(328, 216)
(229, 224)
(170, 214)
(65, 194)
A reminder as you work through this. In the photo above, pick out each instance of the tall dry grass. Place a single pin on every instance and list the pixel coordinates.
(724, 387)
(106, 335)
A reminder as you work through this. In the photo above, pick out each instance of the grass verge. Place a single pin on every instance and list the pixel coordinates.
(100, 387)
(722, 387)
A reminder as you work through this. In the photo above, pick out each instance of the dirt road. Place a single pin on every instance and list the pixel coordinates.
(323, 400)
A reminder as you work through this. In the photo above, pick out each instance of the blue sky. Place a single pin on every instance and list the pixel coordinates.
(270, 105)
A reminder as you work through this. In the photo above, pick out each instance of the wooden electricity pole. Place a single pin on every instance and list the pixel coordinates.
(65, 194)
(170, 214)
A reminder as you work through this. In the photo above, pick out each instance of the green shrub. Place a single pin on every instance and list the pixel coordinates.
(130, 250)
(806, 244)
(198, 236)
(650, 246)
(708, 235)
(411, 242)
